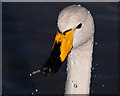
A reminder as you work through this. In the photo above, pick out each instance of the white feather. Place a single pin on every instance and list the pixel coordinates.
(80, 58)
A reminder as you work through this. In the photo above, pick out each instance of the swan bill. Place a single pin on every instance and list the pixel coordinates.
(61, 47)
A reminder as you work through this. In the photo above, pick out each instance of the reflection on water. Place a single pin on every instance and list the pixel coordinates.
(28, 34)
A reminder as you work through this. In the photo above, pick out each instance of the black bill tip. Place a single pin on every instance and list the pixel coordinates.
(53, 63)
(47, 71)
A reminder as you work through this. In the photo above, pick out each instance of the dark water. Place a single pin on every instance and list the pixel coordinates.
(28, 34)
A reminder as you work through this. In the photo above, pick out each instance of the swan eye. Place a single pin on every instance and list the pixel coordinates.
(79, 26)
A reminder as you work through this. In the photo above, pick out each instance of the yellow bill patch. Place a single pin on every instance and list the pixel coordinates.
(66, 41)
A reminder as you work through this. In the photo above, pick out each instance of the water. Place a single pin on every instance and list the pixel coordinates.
(35, 72)
(28, 34)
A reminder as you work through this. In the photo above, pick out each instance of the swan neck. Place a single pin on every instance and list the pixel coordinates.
(79, 65)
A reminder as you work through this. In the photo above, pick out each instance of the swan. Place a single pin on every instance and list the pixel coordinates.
(74, 39)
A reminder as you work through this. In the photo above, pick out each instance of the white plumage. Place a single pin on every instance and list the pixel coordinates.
(79, 60)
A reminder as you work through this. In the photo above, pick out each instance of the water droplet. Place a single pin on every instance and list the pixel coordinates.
(36, 90)
(30, 74)
(34, 72)
(67, 69)
(32, 93)
(75, 85)
(68, 42)
(103, 85)
(73, 4)
(95, 76)
(87, 46)
(93, 68)
(96, 64)
(84, 9)
(96, 43)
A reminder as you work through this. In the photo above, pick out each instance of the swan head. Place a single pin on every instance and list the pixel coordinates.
(79, 20)
(74, 28)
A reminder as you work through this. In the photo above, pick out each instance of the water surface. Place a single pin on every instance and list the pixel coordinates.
(28, 34)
